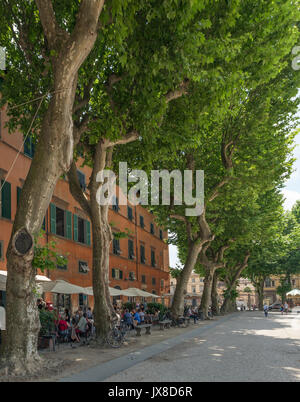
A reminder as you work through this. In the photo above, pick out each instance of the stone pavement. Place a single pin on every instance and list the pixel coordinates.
(244, 346)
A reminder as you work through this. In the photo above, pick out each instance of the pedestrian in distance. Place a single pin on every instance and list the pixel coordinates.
(266, 310)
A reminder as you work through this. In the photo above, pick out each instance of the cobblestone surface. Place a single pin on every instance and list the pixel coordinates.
(248, 347)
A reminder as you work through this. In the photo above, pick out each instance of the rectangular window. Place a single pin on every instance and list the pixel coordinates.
(130, 249)
(116, 273)
(82, 229)
(153, 281)
(143, 279)
(131, 276)
(162, 283)
(116, 246)
(160, 234)
(151, 228)
(153, 263)
(129, 213)
(6, 200)
(29, 147)
(143, 259)
(142, 224)
(60, 222)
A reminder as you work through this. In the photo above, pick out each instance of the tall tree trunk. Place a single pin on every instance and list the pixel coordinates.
(102, 237)
(206, 295)
(53, 157)
(260, 291)
(214, 295)
(178, 300)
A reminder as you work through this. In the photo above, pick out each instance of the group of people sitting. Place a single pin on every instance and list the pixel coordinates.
(71, 327)
(136, 316)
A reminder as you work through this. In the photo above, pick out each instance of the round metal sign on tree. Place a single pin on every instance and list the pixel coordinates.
(23, 241)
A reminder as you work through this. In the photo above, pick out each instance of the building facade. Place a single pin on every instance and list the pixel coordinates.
(139, 260)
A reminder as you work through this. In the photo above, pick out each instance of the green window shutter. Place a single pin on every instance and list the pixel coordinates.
(53, 218)
(121, 274)
(6, 200)
(18, 194)
(75, 227)
(69, 224)
(88, 232)
(113, 273)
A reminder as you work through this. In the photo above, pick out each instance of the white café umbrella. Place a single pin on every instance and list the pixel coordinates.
(135, 292)
(60, 286)
(3, 278)
(112, 291)
(294, 292)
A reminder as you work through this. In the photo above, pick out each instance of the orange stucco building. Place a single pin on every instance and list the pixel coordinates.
(140, 260)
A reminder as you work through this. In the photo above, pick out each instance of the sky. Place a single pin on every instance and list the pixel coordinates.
(291, 192)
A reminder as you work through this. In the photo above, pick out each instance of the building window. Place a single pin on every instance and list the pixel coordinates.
(116, 246)
(293, 282)
(29, 147)
(62, 267)
(83, 267)
(194, 289)
(193, 280)
(116, 273)
(144, 279)
(153, 263)
(160, 234)
(130, 249)
(151, 228)
(153, 281)
(82, 229)
(60, 222)
(1, 250)
(129, 213)
(142, 223)
(115, 204)
(143, 259)
(273, 284)
(268, 283)
(5, 199)
(131, 276)
(82, 300)
(162, 283)
(81, 179)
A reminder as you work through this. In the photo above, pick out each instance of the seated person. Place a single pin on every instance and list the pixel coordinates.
(82, 324)
(128, 318)
(142, 316)
(63, 327)
(136, 318)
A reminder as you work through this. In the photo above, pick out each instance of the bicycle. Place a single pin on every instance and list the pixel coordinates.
(117, 335)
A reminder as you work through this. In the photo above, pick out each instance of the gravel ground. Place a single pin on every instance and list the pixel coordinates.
(248, 347)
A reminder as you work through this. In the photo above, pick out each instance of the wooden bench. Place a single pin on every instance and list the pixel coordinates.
(139, 328)
(165, 324)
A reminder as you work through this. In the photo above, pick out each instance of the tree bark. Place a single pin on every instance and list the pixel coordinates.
(214, 295)
(53, 157)
(207, 290)
(182, 280)
(260, 291)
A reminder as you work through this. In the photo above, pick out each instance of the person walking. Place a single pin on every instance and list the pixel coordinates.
(266, 310)
(286, 308)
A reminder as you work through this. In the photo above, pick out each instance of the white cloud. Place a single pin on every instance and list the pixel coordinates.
(290, 198)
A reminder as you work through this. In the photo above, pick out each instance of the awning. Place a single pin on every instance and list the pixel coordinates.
(64, 287)
(135, 292)
(294, 292)
(112, 291)
(3, 278)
